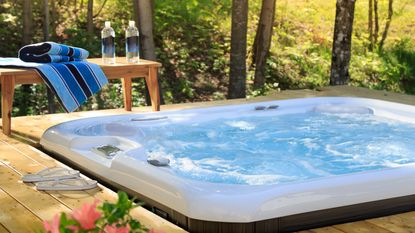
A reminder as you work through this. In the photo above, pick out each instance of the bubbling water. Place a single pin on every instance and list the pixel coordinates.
(282, 149)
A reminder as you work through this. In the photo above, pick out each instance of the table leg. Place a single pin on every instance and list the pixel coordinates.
(7, 93)
(127, 92)
(153, 88)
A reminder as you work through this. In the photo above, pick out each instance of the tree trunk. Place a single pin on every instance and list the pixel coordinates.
(144, 18)
(375, 10)
(27, 37)
(342, 42)
(237, 75)
(262, 41)
(370, 25)
(90, 18)
(53, 17)
(81, 7)
(27, 21)
(75, 10)
(100, 9)
(46, 20)
(45, 7)
(387, 25)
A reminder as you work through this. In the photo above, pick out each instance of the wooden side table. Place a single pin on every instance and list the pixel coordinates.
(121, 70)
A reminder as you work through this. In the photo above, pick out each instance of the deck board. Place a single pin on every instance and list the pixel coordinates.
(3, 229)
(397, 223)
(361, 227)
(15, 217)
(323, 230)
(39, 203)
(19, 158)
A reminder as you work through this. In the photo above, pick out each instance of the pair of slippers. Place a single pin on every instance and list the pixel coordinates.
(59, 179)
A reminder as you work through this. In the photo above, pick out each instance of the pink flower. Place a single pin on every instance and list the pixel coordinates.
(52, 227)
(73, 228)
(114, 229)
(87, 215)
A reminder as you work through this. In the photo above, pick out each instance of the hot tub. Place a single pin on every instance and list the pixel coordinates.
(260, 167)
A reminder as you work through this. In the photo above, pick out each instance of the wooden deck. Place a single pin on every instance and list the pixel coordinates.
(22, 208)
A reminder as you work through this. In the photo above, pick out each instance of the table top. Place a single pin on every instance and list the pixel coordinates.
(120, 63)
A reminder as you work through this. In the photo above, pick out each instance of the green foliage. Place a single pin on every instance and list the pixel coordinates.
(66, 222)
(107, 217)
(193, 42)
(119, 213)
(191, 48)
(301, 49)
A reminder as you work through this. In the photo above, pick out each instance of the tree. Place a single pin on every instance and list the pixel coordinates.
(45, 28)
(75, 10)
(144, 11)
(100, 9)
(387, 25)
(144, 19)
(54, 15)
(90, 17)
(376, 31)
(27, 38)
(237, 75)
(370, 25)
(342, 42)
(46, 20)
(27, 21)
(262, 41)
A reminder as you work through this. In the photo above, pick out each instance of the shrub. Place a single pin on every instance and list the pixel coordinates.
(104, 218)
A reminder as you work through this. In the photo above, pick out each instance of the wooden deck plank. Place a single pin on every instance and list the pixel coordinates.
(360, 227)
(26, 159)
(404, 223)
(323, 230)
(39, 203)
(15, 217)
(3, 229)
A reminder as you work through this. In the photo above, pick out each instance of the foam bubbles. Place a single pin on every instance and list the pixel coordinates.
(243, 125)
(283, 148)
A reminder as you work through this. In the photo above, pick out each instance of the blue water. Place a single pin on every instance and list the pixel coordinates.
(282, 149)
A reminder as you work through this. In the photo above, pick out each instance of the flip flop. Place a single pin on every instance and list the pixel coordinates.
(53, 173)
(67, 185)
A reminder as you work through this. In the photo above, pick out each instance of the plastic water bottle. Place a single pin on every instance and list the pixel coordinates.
(108, 43)
(131, 43)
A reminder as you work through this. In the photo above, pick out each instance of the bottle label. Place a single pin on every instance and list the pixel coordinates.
(108, 46)
(132, 44)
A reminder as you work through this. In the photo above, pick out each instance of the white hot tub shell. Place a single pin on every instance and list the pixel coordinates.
(231, 203)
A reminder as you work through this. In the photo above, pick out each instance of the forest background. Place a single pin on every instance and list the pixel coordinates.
(192, 40)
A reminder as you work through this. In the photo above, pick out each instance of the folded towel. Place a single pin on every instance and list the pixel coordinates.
(47, 52)
(72, 82)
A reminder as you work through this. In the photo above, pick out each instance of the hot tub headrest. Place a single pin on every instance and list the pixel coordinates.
(342, 108)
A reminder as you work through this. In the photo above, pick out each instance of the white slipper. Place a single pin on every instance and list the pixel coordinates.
(53, 173)
(66, 185)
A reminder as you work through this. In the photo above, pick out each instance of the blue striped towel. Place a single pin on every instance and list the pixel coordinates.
(72, 82)
(47, 52)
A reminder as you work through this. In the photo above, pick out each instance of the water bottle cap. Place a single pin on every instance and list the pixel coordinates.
(131, 23)
(107, 24)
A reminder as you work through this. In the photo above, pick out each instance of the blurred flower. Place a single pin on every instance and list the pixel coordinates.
(114, 229)
(52, 227)
(106, 218)
(87, 215)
